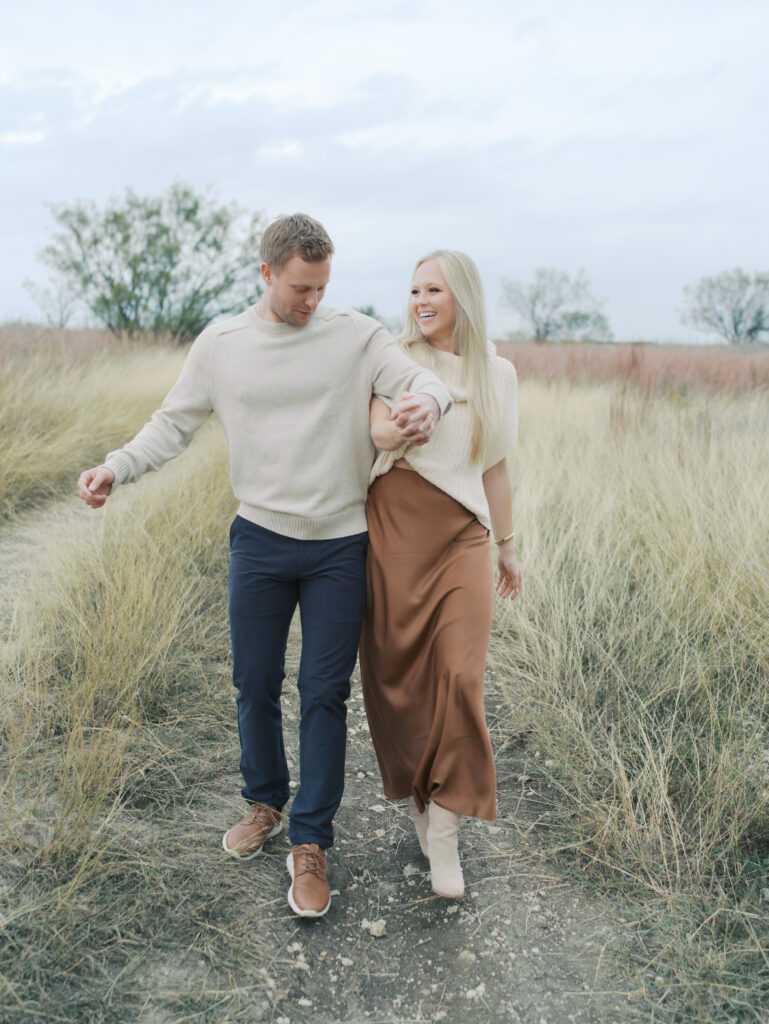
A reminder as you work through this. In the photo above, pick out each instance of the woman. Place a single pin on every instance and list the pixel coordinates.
(429, 576)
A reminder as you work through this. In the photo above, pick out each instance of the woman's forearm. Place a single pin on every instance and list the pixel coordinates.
(384, 433)
(496, 484)
(385, 436)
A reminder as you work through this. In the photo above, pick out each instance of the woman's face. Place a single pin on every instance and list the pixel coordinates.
(432, 304)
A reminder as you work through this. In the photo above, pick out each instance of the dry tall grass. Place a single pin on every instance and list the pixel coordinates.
(638, 657)
(114, 625)
(113, 701)
(62, 406)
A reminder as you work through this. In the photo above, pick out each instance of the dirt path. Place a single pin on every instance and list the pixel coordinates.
(525, 944)
(522, 945)
(20, 542)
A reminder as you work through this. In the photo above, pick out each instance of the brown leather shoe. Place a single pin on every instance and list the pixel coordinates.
(246, 839)
(309, 895)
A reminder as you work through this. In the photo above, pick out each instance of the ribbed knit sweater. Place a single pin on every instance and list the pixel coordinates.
(445, 461)
(294, 406)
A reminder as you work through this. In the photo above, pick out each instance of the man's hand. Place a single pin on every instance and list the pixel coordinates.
(95, 485)
(415, 417)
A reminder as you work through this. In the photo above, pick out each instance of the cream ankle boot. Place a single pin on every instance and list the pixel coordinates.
(420, 823)
(442, 835)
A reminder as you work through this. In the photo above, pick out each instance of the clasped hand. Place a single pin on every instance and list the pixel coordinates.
(414, 417)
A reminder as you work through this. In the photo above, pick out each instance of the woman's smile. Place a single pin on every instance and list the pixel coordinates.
(432, 305)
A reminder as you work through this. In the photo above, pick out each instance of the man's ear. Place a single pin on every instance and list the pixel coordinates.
(266, 273)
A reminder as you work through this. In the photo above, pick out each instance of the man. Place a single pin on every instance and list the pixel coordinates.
(290, 381)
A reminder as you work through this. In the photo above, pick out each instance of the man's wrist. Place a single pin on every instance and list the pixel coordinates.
(436, 403)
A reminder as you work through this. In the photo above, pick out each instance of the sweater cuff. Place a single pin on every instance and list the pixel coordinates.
(440, 394)
(119, 466)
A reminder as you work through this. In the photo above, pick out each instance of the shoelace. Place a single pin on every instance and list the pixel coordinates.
(311, 863)
(260, 816)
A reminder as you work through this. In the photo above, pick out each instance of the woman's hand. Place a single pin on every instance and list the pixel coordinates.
(414, 417)
(496, 483)
(384, 431)
(510, 578)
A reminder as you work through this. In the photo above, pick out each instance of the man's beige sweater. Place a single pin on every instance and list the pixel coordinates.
(294, 406)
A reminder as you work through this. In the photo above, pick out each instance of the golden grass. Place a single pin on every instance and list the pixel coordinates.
(638, 658)
(115, 674)
(641, 635)
(116, 624)
(62, 410)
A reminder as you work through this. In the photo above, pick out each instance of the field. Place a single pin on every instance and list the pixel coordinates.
(628, 702)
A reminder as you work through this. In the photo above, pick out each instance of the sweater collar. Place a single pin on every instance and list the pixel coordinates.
(269, 327)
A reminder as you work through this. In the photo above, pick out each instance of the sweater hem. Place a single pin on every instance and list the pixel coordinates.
(482, 515)
(342, 524)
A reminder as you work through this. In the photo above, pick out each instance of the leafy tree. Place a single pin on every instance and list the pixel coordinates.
(557, 307)
(733, 304)
(168, 263)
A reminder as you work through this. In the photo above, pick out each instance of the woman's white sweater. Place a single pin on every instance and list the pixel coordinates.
(446, 461)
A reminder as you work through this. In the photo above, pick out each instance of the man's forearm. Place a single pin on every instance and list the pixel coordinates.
(185, 408)
(393, 372)
(426, 383)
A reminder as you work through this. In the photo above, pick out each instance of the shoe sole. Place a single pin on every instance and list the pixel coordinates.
(299, 911)
(449, 896)
(249, 856)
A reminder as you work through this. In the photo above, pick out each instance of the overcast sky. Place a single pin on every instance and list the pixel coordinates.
(626, 138)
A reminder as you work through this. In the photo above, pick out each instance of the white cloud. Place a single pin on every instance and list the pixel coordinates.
(287, 148)
(21, 138)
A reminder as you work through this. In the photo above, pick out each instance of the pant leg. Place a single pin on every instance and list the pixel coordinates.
(332, 595)
(262, 598)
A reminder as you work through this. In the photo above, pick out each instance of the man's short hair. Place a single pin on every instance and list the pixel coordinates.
(295, 234)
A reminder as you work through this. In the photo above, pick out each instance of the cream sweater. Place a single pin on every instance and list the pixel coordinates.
(445, 460)
(294, 406)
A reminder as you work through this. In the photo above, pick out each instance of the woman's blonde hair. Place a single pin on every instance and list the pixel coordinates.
(470, 340)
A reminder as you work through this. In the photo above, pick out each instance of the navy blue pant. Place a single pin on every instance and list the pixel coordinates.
(269, 575)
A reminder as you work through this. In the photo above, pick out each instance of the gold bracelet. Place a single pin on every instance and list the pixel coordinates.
(504, 540)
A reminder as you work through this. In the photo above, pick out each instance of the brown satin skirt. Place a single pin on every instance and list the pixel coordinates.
(423, 646)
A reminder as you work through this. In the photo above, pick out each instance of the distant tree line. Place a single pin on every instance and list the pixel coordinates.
(556, 307)
(172, 263)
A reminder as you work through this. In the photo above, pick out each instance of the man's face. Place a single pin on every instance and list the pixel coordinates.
(294, 291)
